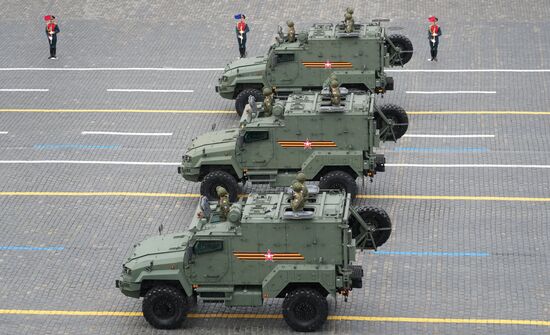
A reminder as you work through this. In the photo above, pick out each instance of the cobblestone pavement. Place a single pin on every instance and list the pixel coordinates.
(452, 265)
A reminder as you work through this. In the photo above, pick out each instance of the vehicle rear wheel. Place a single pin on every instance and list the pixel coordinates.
(165, 307)
(339, 180)
(399, 118)
(242, 98)
(405, 48)
(219, 178)
(373, 216)
(305, 309)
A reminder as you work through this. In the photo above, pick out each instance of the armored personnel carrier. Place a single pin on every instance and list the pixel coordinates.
(263, 249)
(332, 144)
(357, 57)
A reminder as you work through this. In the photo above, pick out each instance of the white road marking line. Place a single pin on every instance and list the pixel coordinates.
(24, 90)
(177, 163)
(471, 166)
(124, 133)
(451, 92)
(448, 136)
(3, 132)
(88, 162)
(150, 91)
(470, 70)
(109, 69)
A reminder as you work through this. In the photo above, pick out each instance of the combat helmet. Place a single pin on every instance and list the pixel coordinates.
(297, 186)
(290, 23)
(221, 191)
(301, 177)
(267, 91)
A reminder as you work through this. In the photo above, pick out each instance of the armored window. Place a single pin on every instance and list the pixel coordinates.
(205, 247)
(284, 58)
(254, 136)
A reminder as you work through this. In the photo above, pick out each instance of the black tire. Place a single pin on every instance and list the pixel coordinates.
(399, 117)
(242, 98)
(339, 180)
(165, 307)
(305, 310)
(405, 47)
(219, 178)
(373, 216)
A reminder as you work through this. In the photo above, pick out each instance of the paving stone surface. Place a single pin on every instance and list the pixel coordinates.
(504, 277)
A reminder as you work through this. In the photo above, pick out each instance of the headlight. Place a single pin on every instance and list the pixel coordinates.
(186, 158)
(126, 270)
(224, 78)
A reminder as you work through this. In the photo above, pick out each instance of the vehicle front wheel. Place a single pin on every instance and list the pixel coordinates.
(165, 307)
(339, 180)
(305, 310)
(242, 98)
(219, 178)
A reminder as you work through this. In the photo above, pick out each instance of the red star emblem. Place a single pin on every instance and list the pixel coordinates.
(328, 65)
(268, 256)
(307, 144)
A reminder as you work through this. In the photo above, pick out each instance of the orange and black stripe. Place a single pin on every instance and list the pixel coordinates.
(323, 65)
(301, 144)
(261, 256)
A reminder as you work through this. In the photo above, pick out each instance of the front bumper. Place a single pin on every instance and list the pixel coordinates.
(128, 289)
(189, 173)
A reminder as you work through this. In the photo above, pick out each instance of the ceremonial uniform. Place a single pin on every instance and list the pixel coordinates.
(434, 31)
(241, 30)
(52, 29)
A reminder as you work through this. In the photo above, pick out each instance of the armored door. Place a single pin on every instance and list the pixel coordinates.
(209, 262)
(284, 70)
(256, 150)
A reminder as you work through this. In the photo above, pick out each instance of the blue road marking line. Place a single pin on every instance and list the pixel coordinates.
(431, 253)
(443, 149)
(22, 247)
(74, 146)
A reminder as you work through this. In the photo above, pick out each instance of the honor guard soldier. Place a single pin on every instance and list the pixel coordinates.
(291, 34)
(434, 31)
(349, 22)
(223, 203)
(241, 29)
(52, 29)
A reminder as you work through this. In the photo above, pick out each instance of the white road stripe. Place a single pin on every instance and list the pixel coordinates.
(507, 166)
(89, 162)
(151, 91)
(24, 90)
(221, 69)
(451, 92)
(123, 133)
(448, 136)
(3, 132)
(109, 69)
(470, 70)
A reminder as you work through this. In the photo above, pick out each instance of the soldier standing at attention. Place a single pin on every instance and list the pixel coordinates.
(52, 29)
(241, 29)
(434, 31)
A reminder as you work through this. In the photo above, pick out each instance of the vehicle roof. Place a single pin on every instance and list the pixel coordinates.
(318, 103)
(270, 207)
(330, 31)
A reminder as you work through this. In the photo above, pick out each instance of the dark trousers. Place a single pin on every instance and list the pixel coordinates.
(242, 46)
(433, 48)
(53, 45)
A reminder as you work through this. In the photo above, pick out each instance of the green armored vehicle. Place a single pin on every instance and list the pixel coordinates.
(358, 57)
(332, 142)
(264, 249)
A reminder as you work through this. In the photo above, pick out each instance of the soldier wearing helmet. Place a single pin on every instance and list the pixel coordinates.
(335, 96)
(291, 34)
(223, 202)
(268, 101)
(298, 200)
(349, 22)
(301, 178)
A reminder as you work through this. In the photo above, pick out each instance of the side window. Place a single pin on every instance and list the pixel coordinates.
(284, 58)
(205, 247)
(255, 136)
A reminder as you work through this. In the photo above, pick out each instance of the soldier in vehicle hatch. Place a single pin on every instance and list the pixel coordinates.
(291, 34)
(268, 101)
(298, 200)
(349, 22)
(301, 178)
(335, 96)
(223, 202)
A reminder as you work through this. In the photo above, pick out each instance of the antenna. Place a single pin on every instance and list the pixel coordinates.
(161, 228)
